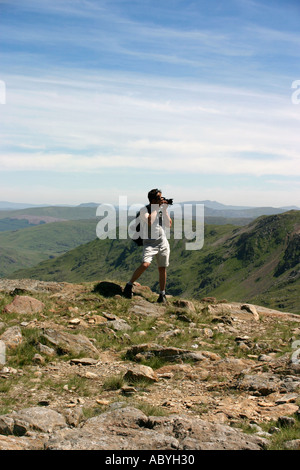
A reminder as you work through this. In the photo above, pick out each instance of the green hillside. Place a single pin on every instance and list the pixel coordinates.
(256, 263)
(29, 246)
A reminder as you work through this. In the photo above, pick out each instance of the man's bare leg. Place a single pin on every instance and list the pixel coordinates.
(162, 284)
(139, 271)
(162, 278)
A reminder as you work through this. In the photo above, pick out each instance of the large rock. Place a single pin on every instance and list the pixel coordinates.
(24, 304)
(130, 429)
(259, 384)
(142, 308)
(36, 418)
(167, 353)
(68, 343)
(140, 372)
(21, 443)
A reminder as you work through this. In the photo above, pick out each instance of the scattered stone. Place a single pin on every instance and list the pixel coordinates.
(138, 289)
(286, 421)
(119, 325)
(140, 372)
(75, 321)
(208, 332)
(251, 309)
(265, 358)
(166, 335)
(91, 375)
(96, 319)
(102, 401)
(46, 350)
(293, 445)
(184, 388)
(288, 398)
(85, 361)
(73, 416)
(38, 359)
(128, 390)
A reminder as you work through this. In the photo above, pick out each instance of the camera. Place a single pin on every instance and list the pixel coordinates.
(169, 201)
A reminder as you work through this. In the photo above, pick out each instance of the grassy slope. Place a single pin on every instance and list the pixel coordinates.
(27, 247)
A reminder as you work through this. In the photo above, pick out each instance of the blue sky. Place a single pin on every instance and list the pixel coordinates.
(111, 98)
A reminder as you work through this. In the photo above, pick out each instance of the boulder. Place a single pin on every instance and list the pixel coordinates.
(21, 443)
(36, 418)
(140, 372)
(24, 304)
(251, 309)
(69, 343)
(259, 384)
(142, 308)
(108, 289)
(148, 350)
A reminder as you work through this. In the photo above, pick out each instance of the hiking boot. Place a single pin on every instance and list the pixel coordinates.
(162, 299)
(128, 291)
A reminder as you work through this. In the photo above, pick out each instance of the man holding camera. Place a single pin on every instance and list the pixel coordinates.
(154, 219)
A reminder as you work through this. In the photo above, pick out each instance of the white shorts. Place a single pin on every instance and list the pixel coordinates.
(161, 251)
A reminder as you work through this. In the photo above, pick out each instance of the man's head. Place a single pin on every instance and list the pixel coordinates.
(154, 196)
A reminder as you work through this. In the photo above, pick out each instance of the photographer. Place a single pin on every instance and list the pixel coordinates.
(154, 218)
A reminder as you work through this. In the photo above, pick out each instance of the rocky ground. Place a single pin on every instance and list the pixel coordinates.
(81, 367)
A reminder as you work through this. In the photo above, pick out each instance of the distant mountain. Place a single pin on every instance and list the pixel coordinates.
(56, 212)
(258, 263)
(209, 205)
(89, 204)
(216, 209)
(5, 205)
(217, 205)
(290, 208)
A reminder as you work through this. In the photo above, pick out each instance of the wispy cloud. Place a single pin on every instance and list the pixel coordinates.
(129, 121)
